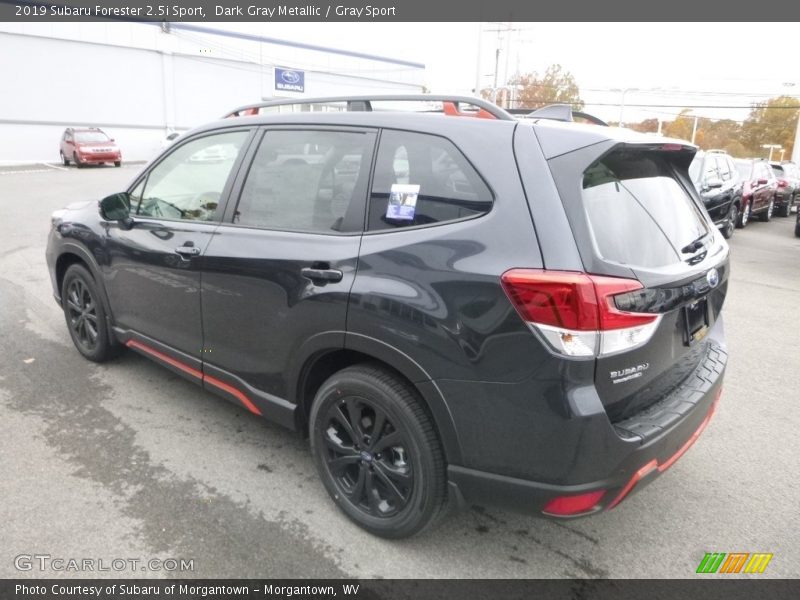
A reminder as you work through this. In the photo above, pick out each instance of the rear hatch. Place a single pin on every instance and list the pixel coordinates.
(637, 218)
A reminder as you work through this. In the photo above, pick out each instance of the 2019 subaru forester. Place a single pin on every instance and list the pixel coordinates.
(453, 309)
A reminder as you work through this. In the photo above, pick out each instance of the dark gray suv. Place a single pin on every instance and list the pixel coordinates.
(456, 307)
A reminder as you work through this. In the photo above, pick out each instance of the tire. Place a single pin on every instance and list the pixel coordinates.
(64, 159)
(786, 209)
(766, 216)
(117, 163)
(797, 224)
(78, 163)
(744, 216)
(395, 485)
(84, 313)
(733, 219)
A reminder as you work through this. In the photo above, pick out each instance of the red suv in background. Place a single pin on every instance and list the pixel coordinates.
(90, 146)
(760, 185)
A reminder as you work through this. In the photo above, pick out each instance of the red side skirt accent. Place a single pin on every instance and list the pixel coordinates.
(241, 397)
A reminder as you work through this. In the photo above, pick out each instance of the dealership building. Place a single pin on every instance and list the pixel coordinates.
(140, 81)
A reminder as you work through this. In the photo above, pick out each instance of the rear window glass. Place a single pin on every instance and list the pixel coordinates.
(422, 179)
(638, 212)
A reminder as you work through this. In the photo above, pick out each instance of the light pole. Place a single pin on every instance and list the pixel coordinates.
(622, 100)
(771, 148)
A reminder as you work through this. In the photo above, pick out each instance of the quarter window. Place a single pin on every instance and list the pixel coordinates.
(307, 180)
(421, 179)
(188, 183)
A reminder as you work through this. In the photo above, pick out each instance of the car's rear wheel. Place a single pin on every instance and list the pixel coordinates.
(766, 216)
(78, 163)
(85, 315)
(377, 452)
(117, 163)
(786, 209)
(797, 223)
(730, 225)
(744, 216)
(64, 159)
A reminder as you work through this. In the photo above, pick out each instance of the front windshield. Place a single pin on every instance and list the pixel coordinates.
(86, 137)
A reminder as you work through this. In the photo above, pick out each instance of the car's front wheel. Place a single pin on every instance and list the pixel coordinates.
(85, 315)
(730, 225)
(78, 163)
(377, 452)
(766, 216)
(744, 216)
(117, 163)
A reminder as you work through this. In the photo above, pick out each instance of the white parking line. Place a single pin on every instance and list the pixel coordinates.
(54, 167)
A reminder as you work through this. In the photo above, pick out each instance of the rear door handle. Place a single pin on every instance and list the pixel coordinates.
(187, 250)
(332, 275)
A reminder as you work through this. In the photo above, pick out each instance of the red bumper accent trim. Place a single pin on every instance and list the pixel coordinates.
(234, 392)
(195, 373)
(164, 358)
(654, 464)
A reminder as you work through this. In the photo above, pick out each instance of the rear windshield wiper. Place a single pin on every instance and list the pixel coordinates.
(695, 245)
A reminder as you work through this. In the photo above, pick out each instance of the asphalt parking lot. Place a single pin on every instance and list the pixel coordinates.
(126, 460)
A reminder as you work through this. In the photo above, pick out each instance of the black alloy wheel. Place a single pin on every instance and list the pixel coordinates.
(85, 315)
(377, 452)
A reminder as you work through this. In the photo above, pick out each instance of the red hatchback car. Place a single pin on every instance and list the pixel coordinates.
(90, 146)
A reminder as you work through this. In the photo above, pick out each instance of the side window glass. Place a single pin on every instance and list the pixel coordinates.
(710, 171)
(135, 196)
(421, 179)
(188, 183)
(724, 172)
(307, 180)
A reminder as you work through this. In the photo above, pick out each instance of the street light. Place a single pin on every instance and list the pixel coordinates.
(622, 100)
(771, 148)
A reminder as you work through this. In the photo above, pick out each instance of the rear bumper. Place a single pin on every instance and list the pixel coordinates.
(646, 445)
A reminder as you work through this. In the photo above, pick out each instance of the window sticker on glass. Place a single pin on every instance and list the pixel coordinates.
(402, 202)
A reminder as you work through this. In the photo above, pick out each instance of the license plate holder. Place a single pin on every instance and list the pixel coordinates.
(695, 321)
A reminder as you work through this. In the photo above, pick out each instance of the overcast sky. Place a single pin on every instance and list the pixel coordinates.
(679, 58)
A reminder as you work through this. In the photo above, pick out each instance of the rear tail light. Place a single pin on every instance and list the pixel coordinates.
(576, 313)
(565, 506)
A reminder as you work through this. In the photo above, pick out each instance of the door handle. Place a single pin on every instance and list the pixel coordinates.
(187, 250)
(332, 275)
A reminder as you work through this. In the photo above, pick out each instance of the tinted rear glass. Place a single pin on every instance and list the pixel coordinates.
(638, 212)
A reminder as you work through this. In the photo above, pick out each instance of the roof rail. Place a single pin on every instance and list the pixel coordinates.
(451, 105)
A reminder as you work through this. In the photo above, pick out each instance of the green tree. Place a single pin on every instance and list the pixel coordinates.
(771, 122)
(556, 86)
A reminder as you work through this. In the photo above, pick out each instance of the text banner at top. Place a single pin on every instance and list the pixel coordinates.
(401, 11)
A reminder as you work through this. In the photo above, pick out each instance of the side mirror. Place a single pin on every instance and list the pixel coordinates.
(116, 207)
(713, 182)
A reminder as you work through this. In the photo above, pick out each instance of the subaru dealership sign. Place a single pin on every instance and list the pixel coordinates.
(290, 80)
